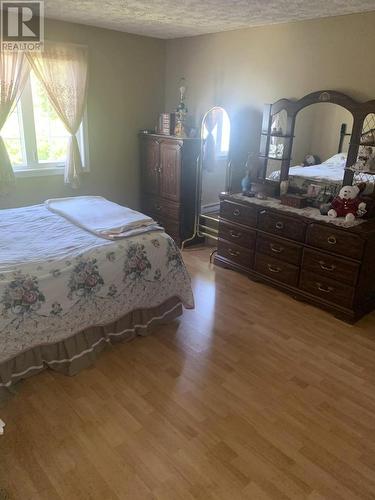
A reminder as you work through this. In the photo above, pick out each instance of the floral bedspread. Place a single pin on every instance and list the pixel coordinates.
(57, 279)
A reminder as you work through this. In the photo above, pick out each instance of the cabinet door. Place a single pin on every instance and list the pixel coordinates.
(150, 166)
(170, 170)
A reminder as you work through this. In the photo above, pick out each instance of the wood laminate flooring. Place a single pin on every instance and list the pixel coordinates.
(250, 396)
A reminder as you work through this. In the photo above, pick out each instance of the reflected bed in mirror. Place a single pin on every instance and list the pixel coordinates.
(319, 155)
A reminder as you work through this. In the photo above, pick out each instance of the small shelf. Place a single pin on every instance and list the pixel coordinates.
(356, 171)
(363, 144)
(277, 158)
(281, 136)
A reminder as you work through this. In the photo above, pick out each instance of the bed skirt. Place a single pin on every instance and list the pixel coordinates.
(79, 351)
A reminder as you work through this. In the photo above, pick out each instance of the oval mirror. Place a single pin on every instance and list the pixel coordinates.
(321, 142)
(214, 178)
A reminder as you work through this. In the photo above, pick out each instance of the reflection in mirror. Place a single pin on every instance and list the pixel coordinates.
(321, 131)
(321, 142)
(213, 175)
(215, 134)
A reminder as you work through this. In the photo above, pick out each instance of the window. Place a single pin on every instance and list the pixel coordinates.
(34, 135)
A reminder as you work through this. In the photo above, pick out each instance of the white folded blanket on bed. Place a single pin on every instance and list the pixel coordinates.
(102, 217)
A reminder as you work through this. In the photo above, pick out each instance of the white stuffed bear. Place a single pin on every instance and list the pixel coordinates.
(347, 204)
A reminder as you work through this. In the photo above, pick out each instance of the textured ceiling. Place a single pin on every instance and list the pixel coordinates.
(179, 18)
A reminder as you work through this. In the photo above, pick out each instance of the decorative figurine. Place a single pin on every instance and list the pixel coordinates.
(284, 186)
(181, 112)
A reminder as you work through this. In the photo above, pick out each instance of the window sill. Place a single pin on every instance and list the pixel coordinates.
(38, 172)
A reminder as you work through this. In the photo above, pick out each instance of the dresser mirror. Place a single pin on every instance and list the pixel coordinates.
(322, 133)
(317, 144)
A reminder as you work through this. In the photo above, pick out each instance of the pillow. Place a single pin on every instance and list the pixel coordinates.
(338, 160)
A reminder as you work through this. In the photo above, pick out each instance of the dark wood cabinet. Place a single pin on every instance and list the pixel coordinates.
(170, 170)
(330, 266)
(150, 167)
(168, 187)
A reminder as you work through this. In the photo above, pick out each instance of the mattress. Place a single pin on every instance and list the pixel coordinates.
(58, 280)
(330, 172)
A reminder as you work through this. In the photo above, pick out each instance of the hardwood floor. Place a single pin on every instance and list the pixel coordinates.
(250, 396)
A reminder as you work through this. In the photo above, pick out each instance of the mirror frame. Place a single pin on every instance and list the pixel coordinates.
(358, 110)
(201, 230)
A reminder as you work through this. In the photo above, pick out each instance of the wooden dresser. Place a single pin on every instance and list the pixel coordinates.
(168, 185)
(327, 265)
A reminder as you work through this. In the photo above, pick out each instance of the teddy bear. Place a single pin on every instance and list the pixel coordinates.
(347, 204)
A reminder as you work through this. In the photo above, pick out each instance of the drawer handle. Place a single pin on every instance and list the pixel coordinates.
(276, 249)
(326, 267)
(234, 253)
(279, 225)
(332, 240)
(234, 234)
(274, 269)
(236, 212)
(325, 289)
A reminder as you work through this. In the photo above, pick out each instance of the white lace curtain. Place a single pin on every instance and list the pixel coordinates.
(62, 70)
(13, 75)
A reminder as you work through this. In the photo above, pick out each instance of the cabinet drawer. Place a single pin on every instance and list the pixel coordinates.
(238, 213)
(237, 235)
(236, 254)
(327, 289)
(155, 206)
(335, 240)
(330, 266)
(171, 227)
(276, 269)
(281, 225)
(283, 250)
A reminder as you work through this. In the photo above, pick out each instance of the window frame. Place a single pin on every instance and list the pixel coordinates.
(33, 167)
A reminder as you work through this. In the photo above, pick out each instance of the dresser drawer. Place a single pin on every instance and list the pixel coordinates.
(238, 255)
(235, 234)
(335, 240)
(155, 206)
(283, 250)
(238, 213)
(276, 269)
(330, 266)
(327, 289)
(282, 226)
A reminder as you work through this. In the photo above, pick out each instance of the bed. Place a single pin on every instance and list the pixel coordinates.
(327, 176)
(66, 293)
(329, 173)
